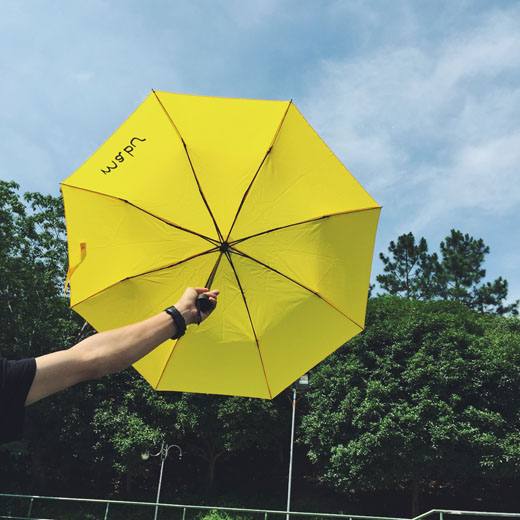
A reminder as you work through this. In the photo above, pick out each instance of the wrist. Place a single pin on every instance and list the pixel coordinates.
(189, 315)
(178, 321)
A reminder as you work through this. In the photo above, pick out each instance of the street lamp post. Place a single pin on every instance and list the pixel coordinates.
(302, 383)
(163, 453)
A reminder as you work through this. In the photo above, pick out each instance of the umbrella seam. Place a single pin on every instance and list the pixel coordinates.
(336, 157)
(241, 253)
(192, 168)
(259, 168)
(211, 276)
(228, 256)
(238, 241)
(162, 268)
(156, 387)
(164, 221)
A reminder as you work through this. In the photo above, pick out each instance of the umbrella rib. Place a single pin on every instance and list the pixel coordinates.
(211, 240)
(176, 342)
(240, 253)
(235, 242)
(211, 277)
(191, 165)
(258, 169)
(228, 256)
(155, 270)
(208, 284)
(171, 224)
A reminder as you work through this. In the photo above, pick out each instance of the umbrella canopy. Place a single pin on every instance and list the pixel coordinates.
(242, 194)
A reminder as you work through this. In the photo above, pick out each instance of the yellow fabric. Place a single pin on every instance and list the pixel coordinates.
(330, 256)
(223, 345)
(226, 140)
(141, 297)
(301, 179)
(145, 163)
(185, 173)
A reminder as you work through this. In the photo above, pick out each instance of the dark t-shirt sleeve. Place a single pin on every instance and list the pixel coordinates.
(16, 378)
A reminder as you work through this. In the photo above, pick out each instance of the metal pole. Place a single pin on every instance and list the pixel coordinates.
(163, 458)
(291, 452)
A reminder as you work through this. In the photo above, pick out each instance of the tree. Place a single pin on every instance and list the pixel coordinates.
(410, 271)
(426, 393)
(34, 315)
(130, 416)
(461, 271)
(215, 426)
(110, 421)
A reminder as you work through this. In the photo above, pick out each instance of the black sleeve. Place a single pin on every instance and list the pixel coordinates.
(16, 378)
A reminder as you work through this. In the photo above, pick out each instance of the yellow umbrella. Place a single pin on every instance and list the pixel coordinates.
(242, 193)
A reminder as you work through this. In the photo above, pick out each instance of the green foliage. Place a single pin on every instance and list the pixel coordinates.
(215, 514)
(128, 419)
(461, 265)
(108, 422)
(411, 272)
(426, 392)
(35, 317)
(213, 426)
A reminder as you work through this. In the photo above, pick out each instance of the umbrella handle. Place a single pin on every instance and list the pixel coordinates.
(203, 303)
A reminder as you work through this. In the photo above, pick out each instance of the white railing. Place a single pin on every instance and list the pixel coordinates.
(7, 510)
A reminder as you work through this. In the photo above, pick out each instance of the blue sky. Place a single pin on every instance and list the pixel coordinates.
(419, 99)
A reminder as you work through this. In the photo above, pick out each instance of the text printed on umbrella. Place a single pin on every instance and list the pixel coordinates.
(120, 157)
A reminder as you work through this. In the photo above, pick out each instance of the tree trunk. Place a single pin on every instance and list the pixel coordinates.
(210, 484)
(211, 487)
(415, 498)
(210, 455)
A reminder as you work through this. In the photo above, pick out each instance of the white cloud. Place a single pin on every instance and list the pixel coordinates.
(483, 177)
(430, 127)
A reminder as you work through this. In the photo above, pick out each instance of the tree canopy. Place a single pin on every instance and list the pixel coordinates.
(457, 274)
(426, 392)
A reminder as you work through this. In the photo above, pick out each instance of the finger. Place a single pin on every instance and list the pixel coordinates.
(200, 290)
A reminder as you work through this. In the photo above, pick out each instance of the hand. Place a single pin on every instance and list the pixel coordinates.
(187, 304)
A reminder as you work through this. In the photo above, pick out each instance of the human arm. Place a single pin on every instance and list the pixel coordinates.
(112, 350)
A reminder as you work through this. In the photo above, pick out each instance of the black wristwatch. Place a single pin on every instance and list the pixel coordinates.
(178, 319)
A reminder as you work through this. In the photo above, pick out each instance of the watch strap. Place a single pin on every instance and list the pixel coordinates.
(178, 319)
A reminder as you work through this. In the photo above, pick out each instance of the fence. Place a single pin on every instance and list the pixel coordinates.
(27, 507)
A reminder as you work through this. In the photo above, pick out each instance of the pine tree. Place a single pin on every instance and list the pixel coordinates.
(461, 272)
(411, 271)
